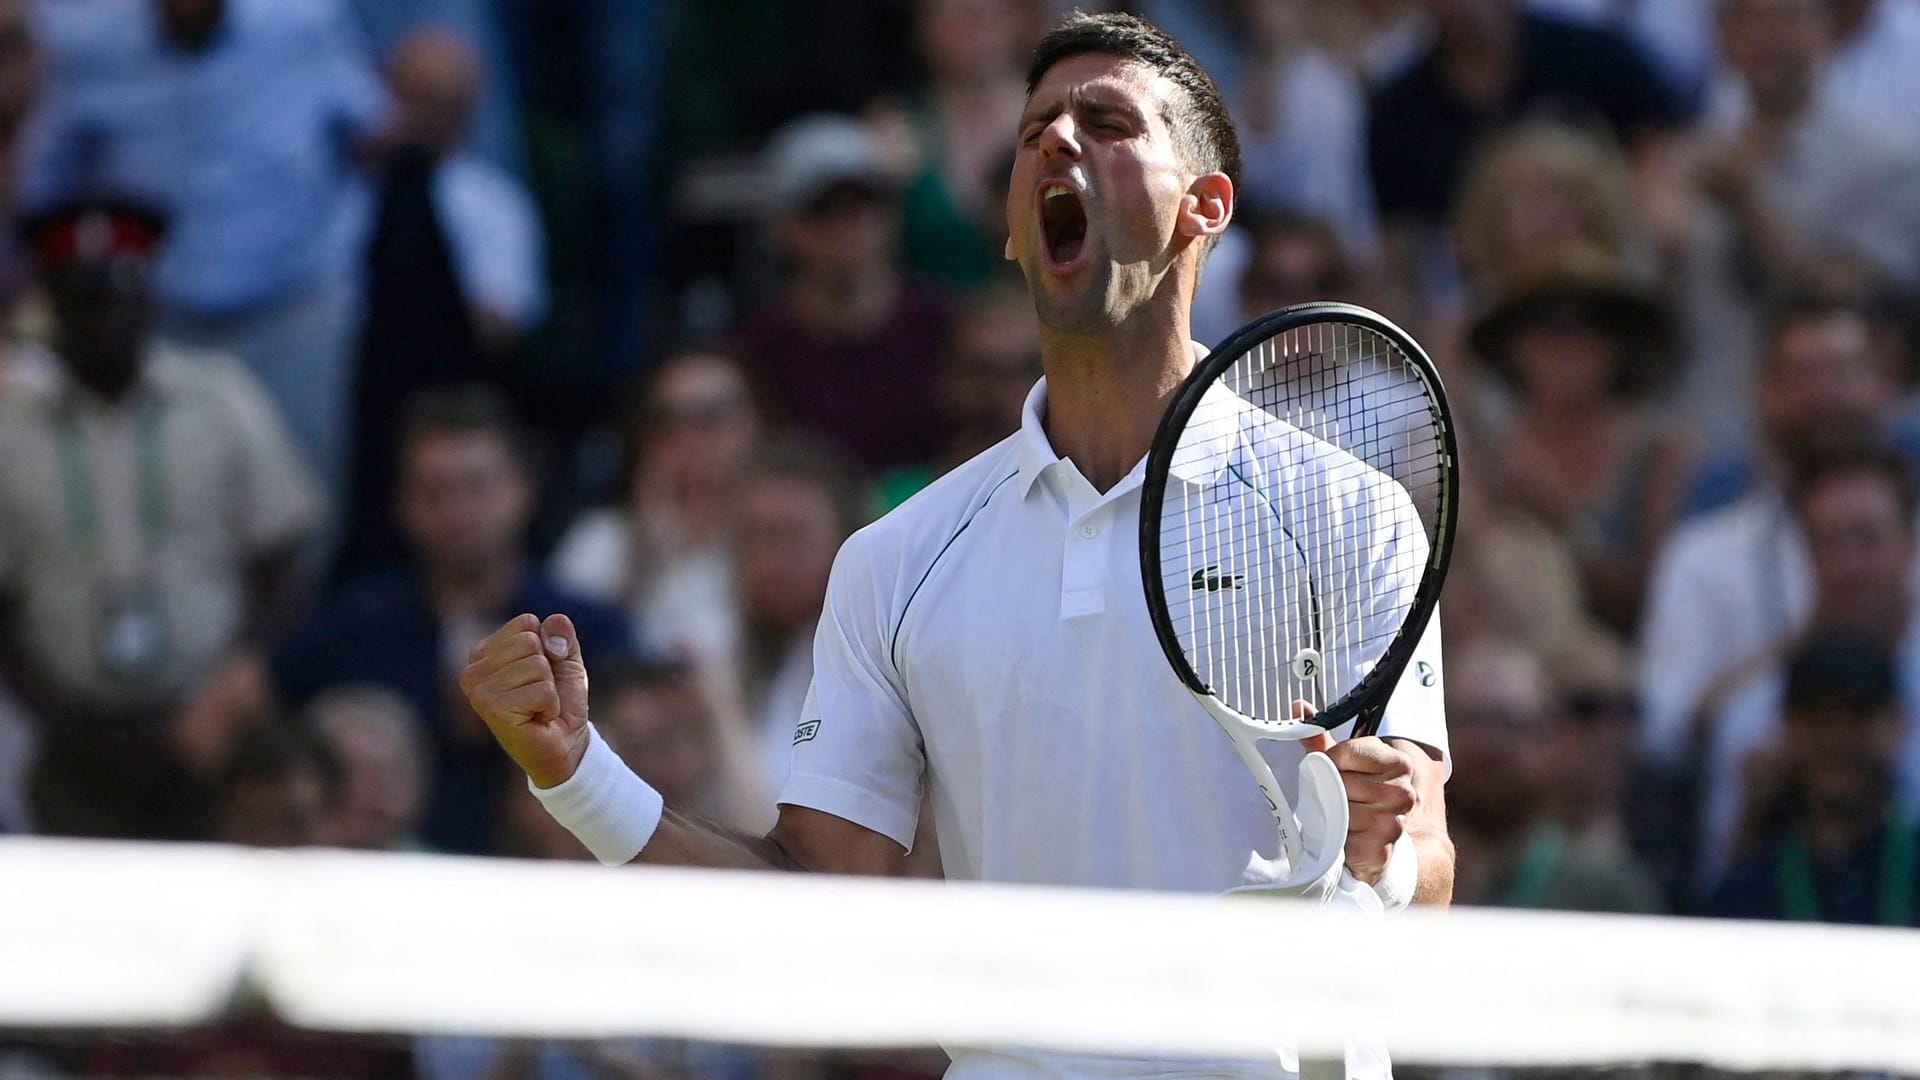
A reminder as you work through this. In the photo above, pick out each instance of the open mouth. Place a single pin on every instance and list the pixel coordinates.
(1063, 221)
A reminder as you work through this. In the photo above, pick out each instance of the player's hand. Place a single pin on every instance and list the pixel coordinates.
(1380, 795)
(528, 683)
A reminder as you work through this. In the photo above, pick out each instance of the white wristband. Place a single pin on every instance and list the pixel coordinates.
(1401, 877)
(603, 804)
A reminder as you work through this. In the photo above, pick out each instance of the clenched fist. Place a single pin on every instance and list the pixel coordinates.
(528, 682)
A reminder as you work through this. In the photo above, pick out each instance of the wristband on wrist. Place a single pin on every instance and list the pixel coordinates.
(1402, 875)
(604, 805)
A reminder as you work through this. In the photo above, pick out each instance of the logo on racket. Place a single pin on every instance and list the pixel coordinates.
(1428, 676)
(1211, 579)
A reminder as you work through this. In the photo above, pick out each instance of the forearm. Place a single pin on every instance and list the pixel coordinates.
(1436, 868)
(1427, 825)
(689, 840)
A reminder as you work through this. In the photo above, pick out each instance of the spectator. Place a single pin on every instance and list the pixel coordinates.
(1730, 585)
(454, 274)
(497, 123)
(1830, 842)
(465, 501)
(275, 792)
(1293, 259)
(242, 119)
(1584, 346)
(1857, 511)
(989, 369)
(149, 519)
(662, 556)
(659, 718)
(1753, 195)
(1492, 62)
(797, 503)
(374, 739)
(1870, 70)
(952, 214)
(1514, 853)
(844, 346)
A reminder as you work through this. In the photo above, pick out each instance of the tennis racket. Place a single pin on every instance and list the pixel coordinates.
(1296, 522)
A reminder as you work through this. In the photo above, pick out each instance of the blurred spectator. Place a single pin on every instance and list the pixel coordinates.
(374, 739)
(1590, 743)
(1301, 110)
(497, 122)
(1857, 510)
(952, 215)
(454, 274)
(1757, 192)
(662, 555)
(20, 74)
(1492, 62)
(990, 367)
(275, 792)
(1584, 346)
(1829, 841)
(1503, 723)
(489, 220)
(660, 719)
(465, 501)
(1679, 38)
(797, 503)
(149, 519)
(1293, 258)
(1730, 585)
(844, 347)
(1870, 69)
(242, 120)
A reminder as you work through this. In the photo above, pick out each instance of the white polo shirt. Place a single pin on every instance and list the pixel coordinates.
(990, 638)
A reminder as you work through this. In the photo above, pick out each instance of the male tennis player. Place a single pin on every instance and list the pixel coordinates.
(988, 640)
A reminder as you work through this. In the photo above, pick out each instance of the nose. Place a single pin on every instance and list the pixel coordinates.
(1061, 138)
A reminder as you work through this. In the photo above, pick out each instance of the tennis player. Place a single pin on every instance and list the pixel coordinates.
(988, 641)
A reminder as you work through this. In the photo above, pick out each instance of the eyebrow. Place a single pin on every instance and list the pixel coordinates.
(1083, 102)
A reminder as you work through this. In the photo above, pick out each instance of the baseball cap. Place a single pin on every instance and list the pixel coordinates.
(817, 153)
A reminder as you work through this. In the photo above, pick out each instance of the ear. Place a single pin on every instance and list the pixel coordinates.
(1208, 206)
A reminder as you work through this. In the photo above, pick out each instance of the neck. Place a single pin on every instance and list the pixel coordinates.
(1107, 391)
(473, 592)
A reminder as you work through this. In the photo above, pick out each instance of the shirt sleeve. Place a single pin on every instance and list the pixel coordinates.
(857, 752)
(1416, 708)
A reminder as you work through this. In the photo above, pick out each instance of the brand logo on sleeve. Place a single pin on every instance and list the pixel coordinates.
(806, 731)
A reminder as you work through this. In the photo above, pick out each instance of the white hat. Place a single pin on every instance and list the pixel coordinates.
(819, 151)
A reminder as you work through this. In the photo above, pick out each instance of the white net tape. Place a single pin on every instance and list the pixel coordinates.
(124, 935)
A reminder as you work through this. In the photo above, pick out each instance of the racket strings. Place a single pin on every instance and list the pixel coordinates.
(1277, 556)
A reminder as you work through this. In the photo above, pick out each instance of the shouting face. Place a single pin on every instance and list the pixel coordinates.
(1098, 187)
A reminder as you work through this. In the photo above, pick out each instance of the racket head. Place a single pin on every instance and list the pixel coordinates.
(1251, 552)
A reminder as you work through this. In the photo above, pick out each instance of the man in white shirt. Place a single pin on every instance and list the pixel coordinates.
(988, 642)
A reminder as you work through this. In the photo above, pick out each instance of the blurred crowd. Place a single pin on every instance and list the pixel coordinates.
(338, 331)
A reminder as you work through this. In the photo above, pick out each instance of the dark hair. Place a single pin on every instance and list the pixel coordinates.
(1867, 457)
(275, 752)
(467, 409)
(1201, 125)
(1839, 674)
(821, 466)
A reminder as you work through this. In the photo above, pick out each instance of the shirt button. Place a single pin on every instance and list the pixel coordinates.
(1089, 531)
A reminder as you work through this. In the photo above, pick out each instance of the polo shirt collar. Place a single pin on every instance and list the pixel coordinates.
(1198, 462)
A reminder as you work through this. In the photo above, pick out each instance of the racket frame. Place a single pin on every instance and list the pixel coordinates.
(1366, 703)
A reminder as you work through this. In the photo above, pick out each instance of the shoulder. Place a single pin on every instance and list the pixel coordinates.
(78, 34)
(913, 535)
(282, 17)
(213, 382)
(1712, 536)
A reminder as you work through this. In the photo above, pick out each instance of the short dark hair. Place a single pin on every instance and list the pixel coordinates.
(819, 465)
(1867, 457)
(466, 409)
(1839, 674)
(1202, 127)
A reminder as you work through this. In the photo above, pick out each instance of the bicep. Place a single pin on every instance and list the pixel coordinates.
(825, 843)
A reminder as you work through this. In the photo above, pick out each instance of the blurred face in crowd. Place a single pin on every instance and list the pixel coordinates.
(1497, 708)
(101, 314)
(993, 363)
(1776, 46)
(665, 732)
(1860, 539)
(435, 78)
(1589, 738)
(787, 531)
(968, 41)
(1291, 266)
(191, 23)
(844, 232)
(1095, 128)
(1563, 366)
(382, 783)
(1825, 381)
(700, 423)
(464, 501)
(1850, 784)
(283, 809)
(19, 67)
